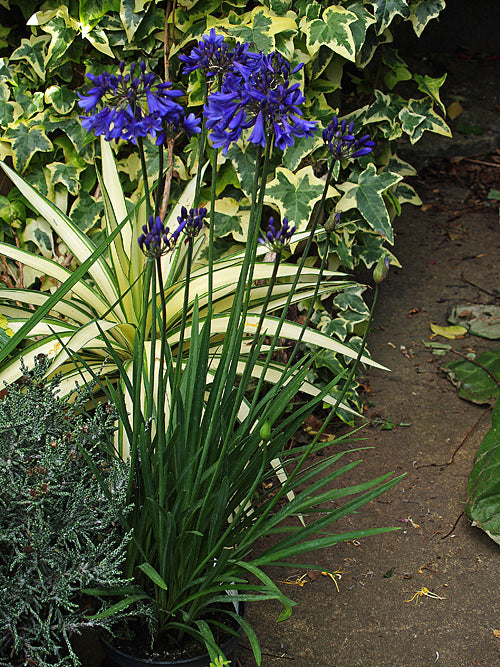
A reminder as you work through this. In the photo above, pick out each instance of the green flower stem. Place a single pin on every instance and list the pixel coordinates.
(211, 232)
(203, 145)
(161, 180)
(149, 382)
(189, 262)
(140, 145)
(313, 301)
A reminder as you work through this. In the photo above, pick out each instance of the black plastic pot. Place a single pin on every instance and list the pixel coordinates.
(121, 659)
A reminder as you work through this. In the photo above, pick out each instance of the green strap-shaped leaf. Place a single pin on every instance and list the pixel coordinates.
(332, 30)
(422, 12)
(366, 196)
(386, 10)
(296, 194)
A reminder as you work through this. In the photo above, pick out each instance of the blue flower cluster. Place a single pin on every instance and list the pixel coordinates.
(190, 223)
(258, 95)
(277, 239)
(154, 241)
(341, 140)
(213, 57)
(134, 105)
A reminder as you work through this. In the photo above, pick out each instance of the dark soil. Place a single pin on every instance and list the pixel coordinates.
(449, 251)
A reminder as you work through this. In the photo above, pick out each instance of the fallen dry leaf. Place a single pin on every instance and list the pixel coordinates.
(451, 333)
(496, 633)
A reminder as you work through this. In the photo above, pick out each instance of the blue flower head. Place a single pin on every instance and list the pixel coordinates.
(190, 223)
(154, 241)
(265, 101)
(213, 57)
(133, 105)
(341, 140)
(277, 239)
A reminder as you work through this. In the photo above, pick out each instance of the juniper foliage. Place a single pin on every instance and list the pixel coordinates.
(59, 533)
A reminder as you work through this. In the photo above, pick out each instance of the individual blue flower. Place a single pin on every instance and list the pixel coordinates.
(190, 223)
(133, 105)
(154, 241)
(265, 101)
(341, 140)
(213, 57)
(277, 239)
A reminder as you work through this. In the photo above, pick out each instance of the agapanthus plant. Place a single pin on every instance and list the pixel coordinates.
(176, 347)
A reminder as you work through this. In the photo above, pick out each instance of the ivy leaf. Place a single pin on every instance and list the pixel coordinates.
(405, 194)
(65, 174)
(9, 111)
(255, 30)
(244, 164)
(228, 218)
(295, 194)
(422, 12)
(430, 87)
(359, 27)
(86, 213)
(130, 17)
(302, 146)
(32, 50)
(12, 212)
(386, 10)
(333, 31)
(93, 10)
(366, 196)
(280, 7)
(419, 116)
(26, 141)
(98, 38)
(39, 232)
(62, 37)
(30, 104)
(61, 98)
(382, 110)
(351, 299)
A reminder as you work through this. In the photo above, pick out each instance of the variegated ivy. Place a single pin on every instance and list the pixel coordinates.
(42, 134)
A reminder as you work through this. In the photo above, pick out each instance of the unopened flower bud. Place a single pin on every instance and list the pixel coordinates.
(332, 222)
(381, 269)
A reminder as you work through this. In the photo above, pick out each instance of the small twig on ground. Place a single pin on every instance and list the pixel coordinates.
(453, 527)
(283, 656)
(481, 289)
(486, 164)
(451, 460)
